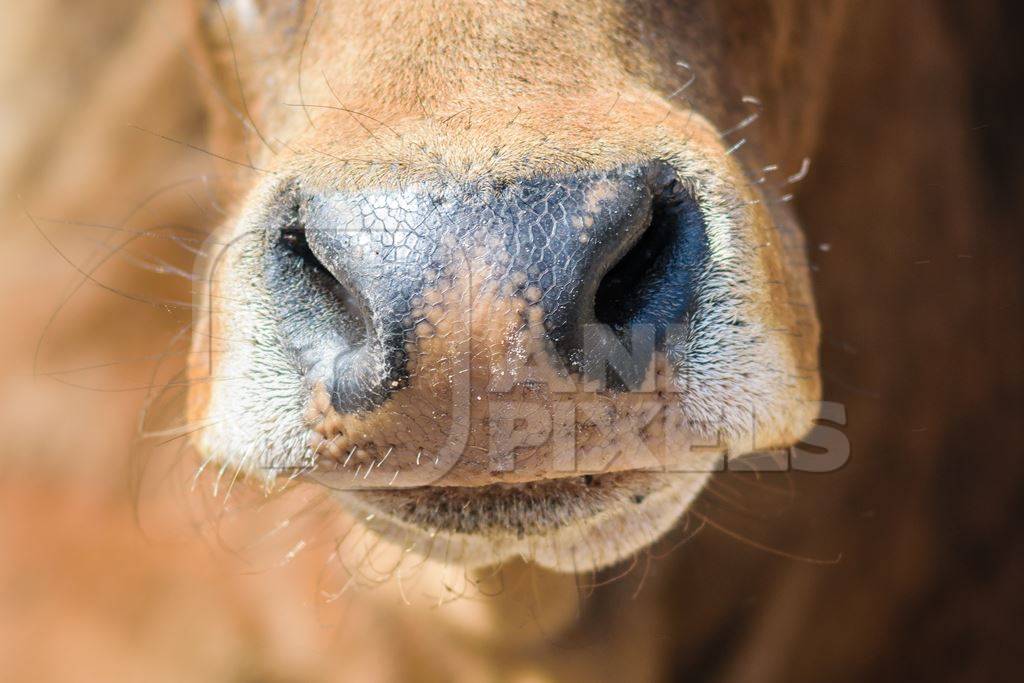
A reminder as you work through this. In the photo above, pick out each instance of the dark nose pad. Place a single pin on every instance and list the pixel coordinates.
(603, 252)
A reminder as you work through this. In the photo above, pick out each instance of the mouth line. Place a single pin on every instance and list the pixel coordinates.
(511, 510)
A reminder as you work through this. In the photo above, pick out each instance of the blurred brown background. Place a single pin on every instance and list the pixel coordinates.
(97, 580)
(913, 212)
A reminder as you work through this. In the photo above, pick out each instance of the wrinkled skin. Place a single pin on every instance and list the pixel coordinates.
(407, 296)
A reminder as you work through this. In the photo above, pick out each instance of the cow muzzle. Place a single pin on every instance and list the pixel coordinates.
(482, 333)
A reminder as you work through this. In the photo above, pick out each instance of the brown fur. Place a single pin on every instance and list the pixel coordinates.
(912, 189)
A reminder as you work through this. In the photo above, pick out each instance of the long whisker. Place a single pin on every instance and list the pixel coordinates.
(302, 54)
(197, 148)
(88, 274)
(238, 79)
(760, 546)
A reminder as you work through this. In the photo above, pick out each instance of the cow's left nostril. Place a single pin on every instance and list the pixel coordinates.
(652, 284)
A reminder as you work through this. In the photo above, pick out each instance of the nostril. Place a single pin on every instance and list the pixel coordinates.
(652, 283)
(307, 270)
(290, 231)
(320, 321)
(616, 302)
(328, 318)
(293, 238)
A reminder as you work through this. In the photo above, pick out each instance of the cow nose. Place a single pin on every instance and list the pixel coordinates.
(359, 280)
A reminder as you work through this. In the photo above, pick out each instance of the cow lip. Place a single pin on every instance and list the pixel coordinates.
(560, 524)
(516, 510)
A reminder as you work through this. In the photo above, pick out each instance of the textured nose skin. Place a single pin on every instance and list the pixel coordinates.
(399, 255)
(443, 332)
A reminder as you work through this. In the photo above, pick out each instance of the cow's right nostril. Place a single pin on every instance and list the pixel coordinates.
(293, 237)
(321, 319)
